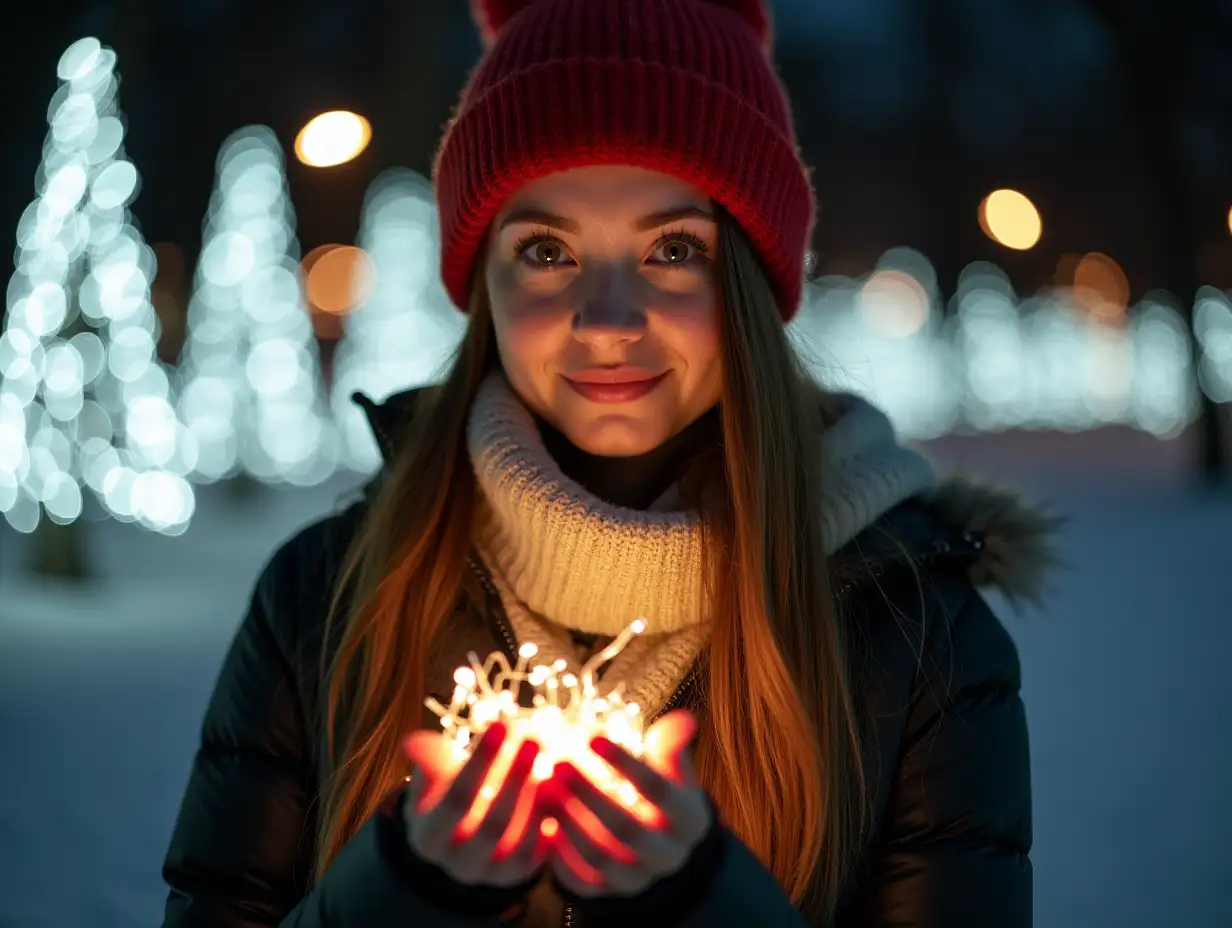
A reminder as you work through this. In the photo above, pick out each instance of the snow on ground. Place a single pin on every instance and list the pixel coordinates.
(102, 690)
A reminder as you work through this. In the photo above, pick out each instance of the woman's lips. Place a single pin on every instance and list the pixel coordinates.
(614, 386)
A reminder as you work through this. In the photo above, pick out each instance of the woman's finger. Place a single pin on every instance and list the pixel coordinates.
(436, 763)
(587, 868)
(685, 809)
(648, 781)
(417, 789)
(666, 743)
(648, 847)
(520, 860)
(440, 823)
(432, 753)
(573, 873)
(524, 821)
(500, 813)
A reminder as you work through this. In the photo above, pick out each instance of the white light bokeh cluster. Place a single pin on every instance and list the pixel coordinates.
(252, 395)
(406, 332)
(997, 361)
(1213, 328)
(84, 400)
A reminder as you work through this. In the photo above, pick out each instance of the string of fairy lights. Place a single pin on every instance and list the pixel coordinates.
(88, 409)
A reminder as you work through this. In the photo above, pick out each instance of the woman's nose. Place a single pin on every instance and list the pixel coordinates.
(609, 312)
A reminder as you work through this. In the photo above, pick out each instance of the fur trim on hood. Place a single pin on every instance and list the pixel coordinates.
(1016, 539)
(1007, 542)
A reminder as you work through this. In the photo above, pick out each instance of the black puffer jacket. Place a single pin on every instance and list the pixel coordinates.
(937, 674)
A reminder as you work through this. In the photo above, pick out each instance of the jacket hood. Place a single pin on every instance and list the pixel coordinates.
(886, 510)
(1019, 552)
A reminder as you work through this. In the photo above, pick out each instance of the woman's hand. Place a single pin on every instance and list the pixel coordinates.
(503, 848)
(588, 862)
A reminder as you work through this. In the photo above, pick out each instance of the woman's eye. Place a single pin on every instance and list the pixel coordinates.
(544, 253)
(675, 252)
(679, 251)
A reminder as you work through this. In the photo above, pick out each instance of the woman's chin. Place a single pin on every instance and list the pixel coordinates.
(616, 436)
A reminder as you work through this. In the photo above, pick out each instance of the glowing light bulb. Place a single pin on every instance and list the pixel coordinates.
(1011, 219)
(564, 714)
(332, 138)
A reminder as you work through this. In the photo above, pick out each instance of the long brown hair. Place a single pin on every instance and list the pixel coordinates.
(778, 696)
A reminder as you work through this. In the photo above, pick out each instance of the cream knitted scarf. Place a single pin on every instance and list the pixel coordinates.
(564, 559)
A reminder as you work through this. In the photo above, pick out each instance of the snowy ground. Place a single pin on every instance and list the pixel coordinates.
(101, 692)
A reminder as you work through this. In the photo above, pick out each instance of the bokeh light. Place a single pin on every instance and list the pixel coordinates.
(998, 361)
(332, 138)
(338, 277)
(1213, 329)
(251, 392)
(84, 400)
(406, 332)
(1102, 287)
(894, 303)
(1010, 219)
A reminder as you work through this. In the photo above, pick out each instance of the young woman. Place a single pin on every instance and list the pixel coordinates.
(626, 433)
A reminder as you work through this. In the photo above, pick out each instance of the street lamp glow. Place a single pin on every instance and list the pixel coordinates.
(1010, 219)
(332, 138)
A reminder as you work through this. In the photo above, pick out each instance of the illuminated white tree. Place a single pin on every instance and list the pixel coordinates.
(252, 393)
(406, 331)
(84, 400)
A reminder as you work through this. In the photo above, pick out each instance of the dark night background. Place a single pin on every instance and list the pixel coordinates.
(1115, 117)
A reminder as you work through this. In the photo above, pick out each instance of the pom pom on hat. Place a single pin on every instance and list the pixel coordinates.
(491, 15)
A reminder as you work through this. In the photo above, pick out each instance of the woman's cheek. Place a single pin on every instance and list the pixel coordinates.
(532, 335)
(690, 325)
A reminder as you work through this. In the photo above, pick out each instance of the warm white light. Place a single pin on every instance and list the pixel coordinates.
(332, 138)
(1011, 219)
(565, 713)
(894, 304)
(337, 278)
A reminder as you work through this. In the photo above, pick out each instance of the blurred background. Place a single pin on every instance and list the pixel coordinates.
(221, 228)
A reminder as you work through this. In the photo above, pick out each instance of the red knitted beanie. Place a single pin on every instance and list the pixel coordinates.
(685, 87)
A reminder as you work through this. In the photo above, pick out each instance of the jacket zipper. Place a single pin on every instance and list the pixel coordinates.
(496, 610)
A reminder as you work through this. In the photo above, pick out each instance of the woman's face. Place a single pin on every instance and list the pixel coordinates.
(604, 298)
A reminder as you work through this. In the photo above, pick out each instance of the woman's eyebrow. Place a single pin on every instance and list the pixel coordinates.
(654, 220)
(534, 215)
